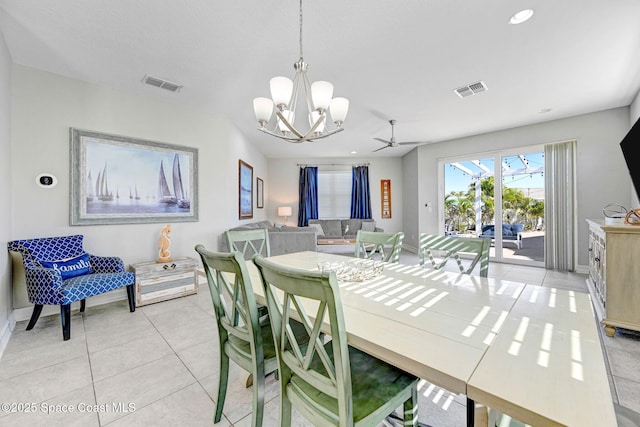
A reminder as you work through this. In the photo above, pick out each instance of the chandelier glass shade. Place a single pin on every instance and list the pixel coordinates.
(285, 93)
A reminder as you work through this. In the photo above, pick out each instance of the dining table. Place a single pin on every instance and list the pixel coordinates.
(521, 349)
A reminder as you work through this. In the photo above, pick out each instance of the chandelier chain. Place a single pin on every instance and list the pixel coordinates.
(301, 57)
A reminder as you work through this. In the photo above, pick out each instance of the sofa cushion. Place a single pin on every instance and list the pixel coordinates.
(318, 229)
(331, 227)
(368, 226)
(517, 228)
(295, 229)
(506, 230)
(488, 230)
(351, 226)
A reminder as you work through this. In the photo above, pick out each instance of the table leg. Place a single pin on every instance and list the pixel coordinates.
(471, 412)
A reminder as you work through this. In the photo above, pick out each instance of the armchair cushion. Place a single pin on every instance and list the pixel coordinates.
(70, 267)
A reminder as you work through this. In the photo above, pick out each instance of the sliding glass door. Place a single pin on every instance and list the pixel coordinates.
(510, 213)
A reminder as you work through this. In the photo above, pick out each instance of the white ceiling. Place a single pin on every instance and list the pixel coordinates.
(393, 59)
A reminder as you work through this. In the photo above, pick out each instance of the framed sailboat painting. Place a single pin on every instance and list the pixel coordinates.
(118, 180)
(245, 190)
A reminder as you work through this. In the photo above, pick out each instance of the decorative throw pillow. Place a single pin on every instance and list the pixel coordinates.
(368, 226)
(70, 267)
(318, 227)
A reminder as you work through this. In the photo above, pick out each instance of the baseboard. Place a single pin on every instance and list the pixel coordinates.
(582, 269)
(24, 313)
(409, 248)
(5, 333)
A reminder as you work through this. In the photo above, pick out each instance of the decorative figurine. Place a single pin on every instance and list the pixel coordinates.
(163, 244)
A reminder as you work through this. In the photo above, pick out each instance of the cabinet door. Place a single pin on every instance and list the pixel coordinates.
(597, 259)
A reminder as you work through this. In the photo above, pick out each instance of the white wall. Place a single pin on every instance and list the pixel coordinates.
(601, 172)
(411, 209)
(45, 106)
(5, 193)
(282, 186)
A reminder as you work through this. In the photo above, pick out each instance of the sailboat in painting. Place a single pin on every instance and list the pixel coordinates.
(178, 188)
(164, 194)
(180, 195)
(89, 191)
(102, 187)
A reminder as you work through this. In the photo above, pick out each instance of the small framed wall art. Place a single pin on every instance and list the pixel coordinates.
(385, 197)
(259, 193)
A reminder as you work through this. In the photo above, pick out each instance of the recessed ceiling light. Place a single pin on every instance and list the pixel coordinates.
(354, 152)
(521, 16)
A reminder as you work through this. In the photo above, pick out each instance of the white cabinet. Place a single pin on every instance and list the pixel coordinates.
(614, 275)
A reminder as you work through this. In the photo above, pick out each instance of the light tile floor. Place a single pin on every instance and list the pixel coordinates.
(158, 366)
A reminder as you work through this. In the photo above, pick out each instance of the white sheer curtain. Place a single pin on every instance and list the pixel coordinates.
(559, 206)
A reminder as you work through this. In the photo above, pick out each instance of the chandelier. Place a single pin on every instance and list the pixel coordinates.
(284, 94)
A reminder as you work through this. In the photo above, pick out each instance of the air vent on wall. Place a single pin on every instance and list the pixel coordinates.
(162, 84)
(471, 89)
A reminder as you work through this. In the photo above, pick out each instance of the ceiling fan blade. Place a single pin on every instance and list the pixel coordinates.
(381, 148)
(383, 140)
(413, 142)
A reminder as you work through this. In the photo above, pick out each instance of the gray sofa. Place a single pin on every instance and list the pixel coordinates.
(342, 228)
(282, 240)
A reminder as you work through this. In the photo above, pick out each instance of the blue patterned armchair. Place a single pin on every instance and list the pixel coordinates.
(59, 272)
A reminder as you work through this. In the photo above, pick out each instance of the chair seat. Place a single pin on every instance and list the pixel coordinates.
(81, 287)
(374, 383)
(268, 348)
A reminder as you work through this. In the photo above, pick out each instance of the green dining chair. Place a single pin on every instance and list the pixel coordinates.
(248, 242)
(244, 337)
(370, 244)
(451, 247)
(326, 380)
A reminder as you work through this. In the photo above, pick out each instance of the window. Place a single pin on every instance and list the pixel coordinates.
(334, 194)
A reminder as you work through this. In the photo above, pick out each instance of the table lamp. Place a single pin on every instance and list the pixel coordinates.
(284, 211)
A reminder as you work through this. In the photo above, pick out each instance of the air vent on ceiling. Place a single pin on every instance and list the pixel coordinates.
(471, 89)
(161, 83)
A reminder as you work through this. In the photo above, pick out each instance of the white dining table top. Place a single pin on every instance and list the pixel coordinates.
(460, 332)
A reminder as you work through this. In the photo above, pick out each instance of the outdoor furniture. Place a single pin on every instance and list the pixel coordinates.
(510, 232)
(59, 272)
(453, 246)
(369, 243)
(329, 383)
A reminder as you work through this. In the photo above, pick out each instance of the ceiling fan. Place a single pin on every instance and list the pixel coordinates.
(393, 143)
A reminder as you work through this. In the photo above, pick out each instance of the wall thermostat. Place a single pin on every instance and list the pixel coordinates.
(46, 180)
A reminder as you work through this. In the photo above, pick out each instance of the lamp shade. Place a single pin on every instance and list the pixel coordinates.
(284, 211)
(281, 90)
(314, 116)
(263, 107)
(339, 108)
(321, 94)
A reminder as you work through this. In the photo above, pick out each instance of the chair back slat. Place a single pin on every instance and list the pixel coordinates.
(452, 247)
(291, 294)
(248, 242)
(233, 299)
(371, 244)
